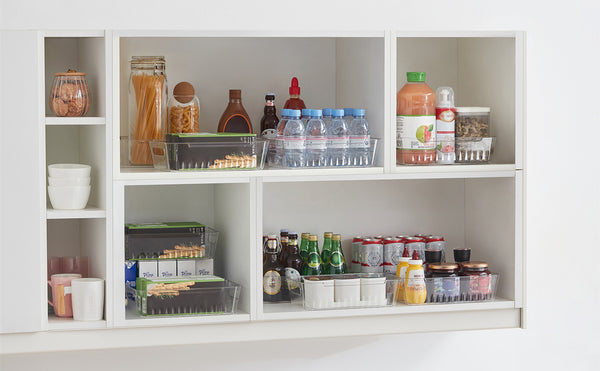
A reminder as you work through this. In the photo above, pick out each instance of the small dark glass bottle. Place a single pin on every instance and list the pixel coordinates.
(235, 119)
(269, 121)
(274, 287)
(293, 264)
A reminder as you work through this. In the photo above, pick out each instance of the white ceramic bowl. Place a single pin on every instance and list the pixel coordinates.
(69, 197)
(69, 170)
(61, 182)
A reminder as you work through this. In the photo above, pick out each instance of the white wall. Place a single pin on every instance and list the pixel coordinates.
(563, 76)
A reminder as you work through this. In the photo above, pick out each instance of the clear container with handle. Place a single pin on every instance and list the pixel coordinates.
(147, 107)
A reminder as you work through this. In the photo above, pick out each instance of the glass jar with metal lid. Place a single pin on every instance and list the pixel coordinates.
(442, 282)
(147, 106)
(477, 282)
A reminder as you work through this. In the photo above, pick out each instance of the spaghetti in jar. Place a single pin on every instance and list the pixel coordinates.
(147, 107)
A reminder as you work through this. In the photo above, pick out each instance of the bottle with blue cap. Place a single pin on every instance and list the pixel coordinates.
(276, 157)
(316, 141)
(294, 141)
(359, 151)
(305, 116)
(338, 140)
(327, 116)
(348, 115)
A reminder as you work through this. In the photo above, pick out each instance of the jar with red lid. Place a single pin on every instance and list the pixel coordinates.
(70, 95)
(477, 281)
(443, 282)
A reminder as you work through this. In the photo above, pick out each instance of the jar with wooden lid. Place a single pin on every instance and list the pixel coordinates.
(443, 282)
(70, 94)
(477, 284)
(183, 110)
(147, 106)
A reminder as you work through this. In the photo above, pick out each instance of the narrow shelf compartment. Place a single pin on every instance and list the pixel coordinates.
(75, 121)
(89, 212)
(286, 311)
(67, 324)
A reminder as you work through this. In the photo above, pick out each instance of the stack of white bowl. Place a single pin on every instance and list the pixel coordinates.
(69, 186)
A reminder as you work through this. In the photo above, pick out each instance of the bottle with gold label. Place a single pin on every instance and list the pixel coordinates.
(313, 265)
(274, 287)
(235, 119)
(304, 246)
(326, 251)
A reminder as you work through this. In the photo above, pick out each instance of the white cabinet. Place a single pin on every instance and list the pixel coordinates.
(477, 206)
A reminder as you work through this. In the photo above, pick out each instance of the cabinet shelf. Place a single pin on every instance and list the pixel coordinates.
(134, 319)
(287, 311)
(66, 324)
(89, 212)
(75, 121)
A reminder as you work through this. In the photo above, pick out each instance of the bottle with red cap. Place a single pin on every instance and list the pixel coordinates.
(415, 291)
(294, 102)
(401, 274)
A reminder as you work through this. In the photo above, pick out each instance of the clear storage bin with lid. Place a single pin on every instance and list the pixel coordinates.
(147, 106)
(70, 94)
(474, 142)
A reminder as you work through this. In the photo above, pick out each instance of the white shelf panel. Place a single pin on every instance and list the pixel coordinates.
(89, 212)
(456, 171)
(75, 121)
(248, 33)
(286, 311)
(134, 319)
(49, 341)
(73, 33)
(66, 324)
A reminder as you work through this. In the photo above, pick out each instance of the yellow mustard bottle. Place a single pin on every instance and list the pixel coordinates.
(401, 274)
(414, 285)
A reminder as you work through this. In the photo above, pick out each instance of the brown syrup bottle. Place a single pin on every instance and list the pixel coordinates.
(235, 119)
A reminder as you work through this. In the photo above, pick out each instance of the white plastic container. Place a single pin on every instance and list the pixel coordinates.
(347, 291)
(372, 290)
(318, 293)
(62, 182)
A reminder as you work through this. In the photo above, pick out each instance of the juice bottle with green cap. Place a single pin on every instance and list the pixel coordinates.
(415, 121)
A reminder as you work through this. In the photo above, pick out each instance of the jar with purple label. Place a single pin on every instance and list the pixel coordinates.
(442, 282)
(371, 256)
(392, 251)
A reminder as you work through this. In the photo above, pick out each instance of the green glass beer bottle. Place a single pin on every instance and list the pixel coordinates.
(326, 249)
(313, 265)
(304, 246)
(336, 263)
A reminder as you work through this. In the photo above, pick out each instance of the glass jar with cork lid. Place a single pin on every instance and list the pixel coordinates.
(70, 94)
(183, 110)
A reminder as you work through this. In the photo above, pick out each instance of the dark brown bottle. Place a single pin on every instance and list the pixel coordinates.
(293, 266)
(269, 122)
(283, 240)
(235, 119)
(274, 283)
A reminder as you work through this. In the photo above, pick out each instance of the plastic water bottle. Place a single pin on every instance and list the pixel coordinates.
(316, 141)
(338, 140)
(306, 116)
(294, 140)
(276, 157)
(359, 151)
(327, 116)
(348, 115)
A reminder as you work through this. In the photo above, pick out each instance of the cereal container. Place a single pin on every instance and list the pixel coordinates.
(183, 110)
(70, 94)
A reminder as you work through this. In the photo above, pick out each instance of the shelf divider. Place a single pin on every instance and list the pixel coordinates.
(74, 121)
(89, 212)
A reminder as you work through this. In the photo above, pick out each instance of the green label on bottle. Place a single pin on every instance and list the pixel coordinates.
(313, 260)
(336, 259)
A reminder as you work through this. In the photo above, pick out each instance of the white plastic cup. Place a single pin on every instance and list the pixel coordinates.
(318, 294)
(347, 291)
(88, 299)
(372, 290)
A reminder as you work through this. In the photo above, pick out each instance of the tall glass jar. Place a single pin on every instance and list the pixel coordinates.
(147, 106)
